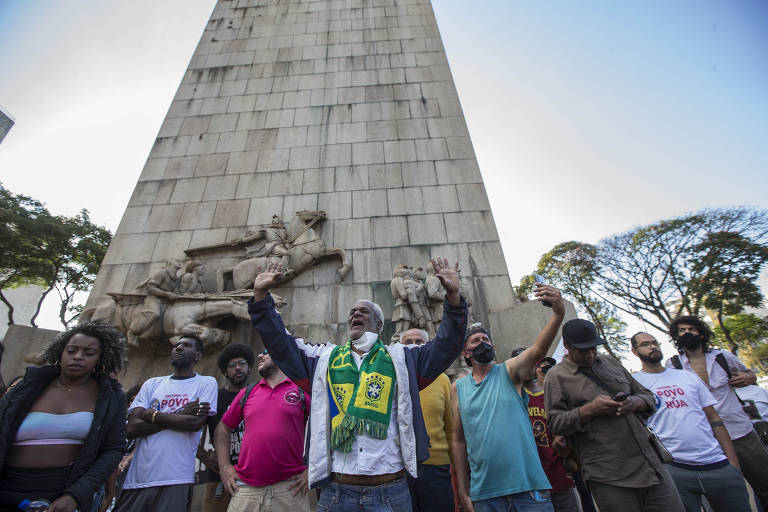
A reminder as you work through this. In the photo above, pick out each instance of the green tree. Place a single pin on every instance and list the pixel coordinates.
(750, 333)
(571, 267)
(21, 218)
(708, 261)
(726, 266)
(54, 252)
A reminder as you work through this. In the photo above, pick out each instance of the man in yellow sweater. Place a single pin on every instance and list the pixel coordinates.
(432, 491)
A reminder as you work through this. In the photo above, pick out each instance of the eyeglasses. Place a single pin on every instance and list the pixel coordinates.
(241, 363)
(647, 344)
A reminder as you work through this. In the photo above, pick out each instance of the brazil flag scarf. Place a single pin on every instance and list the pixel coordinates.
(361, 399)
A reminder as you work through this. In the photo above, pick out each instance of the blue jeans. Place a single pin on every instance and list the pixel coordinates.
(531, 501)
(390, 497)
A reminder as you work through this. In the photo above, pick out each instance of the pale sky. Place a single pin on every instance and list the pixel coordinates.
(587, 117)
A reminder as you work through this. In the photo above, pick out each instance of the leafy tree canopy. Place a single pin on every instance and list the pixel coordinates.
(708, 261)
(55, 252)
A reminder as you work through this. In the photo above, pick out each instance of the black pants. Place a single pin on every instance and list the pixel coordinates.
(18, 484)
(753, 459)
(432, 491)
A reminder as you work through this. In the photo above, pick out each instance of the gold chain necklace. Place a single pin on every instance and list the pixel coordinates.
(65, 388)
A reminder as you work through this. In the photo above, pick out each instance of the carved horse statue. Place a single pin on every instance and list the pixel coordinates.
(302, 246)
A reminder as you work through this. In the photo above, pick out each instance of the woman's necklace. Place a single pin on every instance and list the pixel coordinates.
(65, 388)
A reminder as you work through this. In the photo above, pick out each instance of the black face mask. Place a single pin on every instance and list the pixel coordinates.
(483, 353)
(690, 341)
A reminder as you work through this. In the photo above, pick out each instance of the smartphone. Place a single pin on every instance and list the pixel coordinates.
(620, 396)
(540, 280)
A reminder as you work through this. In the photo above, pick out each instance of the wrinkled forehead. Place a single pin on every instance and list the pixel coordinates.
(479, 336)
(413, 335)
(361, 304)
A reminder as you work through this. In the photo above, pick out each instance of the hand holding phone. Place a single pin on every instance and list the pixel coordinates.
(620, 396)
(540, 280)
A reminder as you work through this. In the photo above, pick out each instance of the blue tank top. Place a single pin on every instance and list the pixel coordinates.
(502, 452)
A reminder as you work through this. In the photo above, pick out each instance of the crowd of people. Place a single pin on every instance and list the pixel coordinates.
(381, 427)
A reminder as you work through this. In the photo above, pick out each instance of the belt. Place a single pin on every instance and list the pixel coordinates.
(366, 480)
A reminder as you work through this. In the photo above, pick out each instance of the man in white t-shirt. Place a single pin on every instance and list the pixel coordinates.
(705, 461)
(166, 417)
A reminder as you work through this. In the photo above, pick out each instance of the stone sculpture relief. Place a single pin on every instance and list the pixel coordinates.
(167, 305)
(296, 246)
(418, 300)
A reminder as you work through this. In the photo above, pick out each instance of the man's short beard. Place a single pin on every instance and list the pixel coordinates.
(649, 359)
(267, 371)
(232, 379)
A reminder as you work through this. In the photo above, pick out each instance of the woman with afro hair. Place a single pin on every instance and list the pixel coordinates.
(62, 429)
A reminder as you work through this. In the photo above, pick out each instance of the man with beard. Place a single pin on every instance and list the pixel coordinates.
(594, 402)
(167, 415)
(494, 452)
(270, 470)
(721, 371)
(705, 462)
(235, 362)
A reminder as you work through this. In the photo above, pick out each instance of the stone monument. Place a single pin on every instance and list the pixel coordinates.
(329, 136)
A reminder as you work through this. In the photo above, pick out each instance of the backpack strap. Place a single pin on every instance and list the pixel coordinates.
(720, 358)
(247, 394)
(677, 363)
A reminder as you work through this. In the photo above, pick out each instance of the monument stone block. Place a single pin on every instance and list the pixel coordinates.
(325, 135)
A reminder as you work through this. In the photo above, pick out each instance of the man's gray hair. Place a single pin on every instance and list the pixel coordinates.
(421, 331)
(377, 311)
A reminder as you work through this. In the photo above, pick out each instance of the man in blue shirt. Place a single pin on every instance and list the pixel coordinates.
(492, 437)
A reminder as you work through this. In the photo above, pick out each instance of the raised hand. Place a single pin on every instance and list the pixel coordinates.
(546, 293)
(449, 278)
(266, 280)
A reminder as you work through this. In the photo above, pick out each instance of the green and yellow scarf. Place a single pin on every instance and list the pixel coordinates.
(360, 399)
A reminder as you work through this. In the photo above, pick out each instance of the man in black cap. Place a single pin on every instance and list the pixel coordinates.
(593, 401)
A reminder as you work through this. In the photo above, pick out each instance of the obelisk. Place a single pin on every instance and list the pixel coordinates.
(347, 107)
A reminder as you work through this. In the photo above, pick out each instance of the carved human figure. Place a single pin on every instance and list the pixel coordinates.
(423, 299)
(405, 291)
(401, 315)
(295, 246)
(191, 281)
(160, 288)
(435, 294)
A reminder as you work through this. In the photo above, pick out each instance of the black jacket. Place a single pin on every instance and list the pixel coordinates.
(102, 449)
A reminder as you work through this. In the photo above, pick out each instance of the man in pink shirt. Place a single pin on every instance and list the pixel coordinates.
(270, 475)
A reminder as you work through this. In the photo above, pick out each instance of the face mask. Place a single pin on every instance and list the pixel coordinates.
(483, 353)
(366, 341)
(689, 341)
